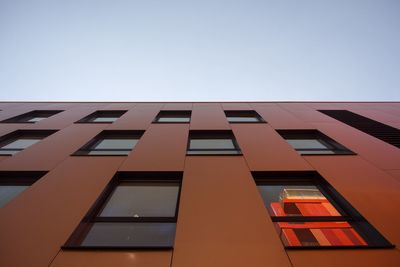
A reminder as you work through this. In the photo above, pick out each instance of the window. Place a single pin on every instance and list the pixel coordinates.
(111, 143)
(308, 212)
(173, 116)
(136, 210)
(103, 116)
(243, 116)
(212, 143)
(17, 141)
(33, 116)
(313, 142)
(14, 183)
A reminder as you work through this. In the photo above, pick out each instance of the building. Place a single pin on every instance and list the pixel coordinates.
(200, 184)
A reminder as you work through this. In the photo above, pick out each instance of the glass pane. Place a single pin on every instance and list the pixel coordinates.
(8, 192)
(130, 235)
(172, 119)
(296, 200)
(315, 151)
(243, 119)
(104, 119)
(216, 152)
(319, 234)
(21, 143)
(116, 144)
(9, 152)
(306, 143)
(108, 152)
(211, 144)
(36, 119)
(133, 200)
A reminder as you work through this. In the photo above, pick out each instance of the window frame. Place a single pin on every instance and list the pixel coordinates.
(93, 215)
(19, 178)
(109, 134)
(102, 114)
(348, 213)
(244, 114)
(24, 118)
(313, 134)
(19, 134)
(213, 134)
(173, 114)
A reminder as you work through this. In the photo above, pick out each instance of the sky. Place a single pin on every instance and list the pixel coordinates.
(208, 50)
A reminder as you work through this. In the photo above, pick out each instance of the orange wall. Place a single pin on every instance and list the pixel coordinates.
(222, 220)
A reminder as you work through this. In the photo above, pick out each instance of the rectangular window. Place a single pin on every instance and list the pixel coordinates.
(308, 212)
(111, 143)
(170, 116)
(212, 143)
(32, 117)
(243, 116)
(136, 210)
(17, 141)
(14, 183)
(103, 116)
(313, 142)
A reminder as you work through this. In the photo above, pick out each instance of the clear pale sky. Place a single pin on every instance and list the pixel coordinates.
(204, 50)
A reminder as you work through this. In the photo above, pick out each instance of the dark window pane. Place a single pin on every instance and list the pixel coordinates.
(296, 200)
(8, 192)
(130, 235)
(108, 152)
(116, 144)
(243, 119)
(21, 143)
(211, 144)
(319, 234)
(130, 200)
(105, 119)
(36, 119)
(306, 144)
(173, 119)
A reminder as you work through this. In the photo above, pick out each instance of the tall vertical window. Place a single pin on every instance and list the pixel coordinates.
(111, 143)
(32, 117)
(243, 116)
(173, 116)
(136, 210)
(19, 140)
(212, 143)
(14, 183)
(313, 142)
(103, 116)
(308, 212)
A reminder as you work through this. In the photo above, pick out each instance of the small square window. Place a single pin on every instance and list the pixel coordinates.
(313, 142)
(309, 213)
(17, 141)
(32, 117)
(103, 116)
(212, 143)
(169, 116)
(111, 143)
(14, 183)
(243, 116)
(136, 210)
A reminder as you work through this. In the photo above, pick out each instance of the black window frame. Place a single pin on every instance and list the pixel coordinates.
(20, 178)
(329, 143)
(19, 134)
(244, 114)
(24, 118)
(173, 114)
(102, 114)
(349, 214)
(79, 234)
(109, 134)
(213, 134)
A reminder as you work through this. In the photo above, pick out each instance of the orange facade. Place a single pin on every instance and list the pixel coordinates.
(222, 218)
